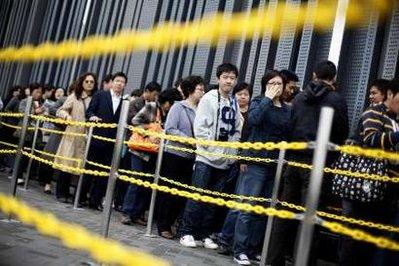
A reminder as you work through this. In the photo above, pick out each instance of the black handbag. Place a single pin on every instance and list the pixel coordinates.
(359, 189)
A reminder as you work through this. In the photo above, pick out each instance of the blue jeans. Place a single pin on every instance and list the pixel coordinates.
(257, 181)
(137, 197)
(198, 216)
(226, 236)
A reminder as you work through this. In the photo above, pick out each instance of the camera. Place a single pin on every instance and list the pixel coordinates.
(223, 135)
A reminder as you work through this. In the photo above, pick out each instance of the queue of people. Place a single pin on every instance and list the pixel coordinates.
(227, 113)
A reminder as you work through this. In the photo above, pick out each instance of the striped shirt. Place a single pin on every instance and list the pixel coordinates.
(378, 131)
(377, 128)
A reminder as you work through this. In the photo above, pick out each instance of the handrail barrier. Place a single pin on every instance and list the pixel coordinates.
(350, 149)
(75, 236)
(225, 195)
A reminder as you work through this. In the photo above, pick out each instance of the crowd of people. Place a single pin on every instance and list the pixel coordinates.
(226, 112)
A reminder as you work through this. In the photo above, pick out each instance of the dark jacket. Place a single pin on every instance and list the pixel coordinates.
(267, 123)
(307, 107)
(378, 132)
(101, 106)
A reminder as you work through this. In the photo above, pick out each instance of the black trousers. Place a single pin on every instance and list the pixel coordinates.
(169, 206)
(63, 184)
(352, 252)
(100, 154)
(284, 233)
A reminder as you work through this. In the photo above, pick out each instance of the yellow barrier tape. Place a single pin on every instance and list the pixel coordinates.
(9, 144)
(207, 30)
(348, 173)
(75, 236)
(365, 223)
(233, 145)
(374, 153)
(240, 197)
(5, 151)
(356, 234)
(333, 226)
(258, 199)
(218, 201)
(65, 167)
(58, 156)
(62, 132)
(72, 122)
(6, 114)
(10, 126)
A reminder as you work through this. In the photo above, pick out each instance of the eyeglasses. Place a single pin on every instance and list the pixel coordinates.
(89, 81)
(274, 83)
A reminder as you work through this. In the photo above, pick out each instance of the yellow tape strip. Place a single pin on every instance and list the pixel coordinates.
(207, 30)
(374, 153)
(259, 199)
(9, 144)
(75, 236)
(7, 114)
(333, 226)
(72, 122)
(5, 151)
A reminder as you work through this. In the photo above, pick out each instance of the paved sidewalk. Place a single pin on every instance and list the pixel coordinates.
(21, 245)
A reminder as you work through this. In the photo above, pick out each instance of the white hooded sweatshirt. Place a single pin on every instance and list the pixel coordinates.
(217, 118)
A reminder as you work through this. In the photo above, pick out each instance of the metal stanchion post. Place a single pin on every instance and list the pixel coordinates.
(80, 181)
(113, 173)
(154, 192)
(18, 156)
(312, 199)
(273, 204)
(32, 152)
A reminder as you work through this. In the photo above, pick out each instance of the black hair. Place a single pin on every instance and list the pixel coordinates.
(48, 87)
(169, 95)
(289, 75)
(178, 82)
(394, 86)
(270, 73)
(382, 85)
(243, 86)
(325, 70)
(18, 88)
(226, 68)
(153, 86)
(77, 86)
(189, 84)
(51, 88)
(35, 86)
(107, 78)
(119, 74)
(136, 93)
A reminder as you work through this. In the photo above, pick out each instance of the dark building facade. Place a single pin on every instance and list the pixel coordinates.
(367, 52)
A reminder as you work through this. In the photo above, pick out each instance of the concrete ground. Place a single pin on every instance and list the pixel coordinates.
(21, 245)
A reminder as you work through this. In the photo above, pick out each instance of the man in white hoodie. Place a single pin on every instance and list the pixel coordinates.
(217, 118)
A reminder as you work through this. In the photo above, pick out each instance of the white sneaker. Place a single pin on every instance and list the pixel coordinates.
(188, 241)
(209, 244)
(242, 259)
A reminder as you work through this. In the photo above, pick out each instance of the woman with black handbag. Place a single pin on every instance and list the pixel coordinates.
(364, 198)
